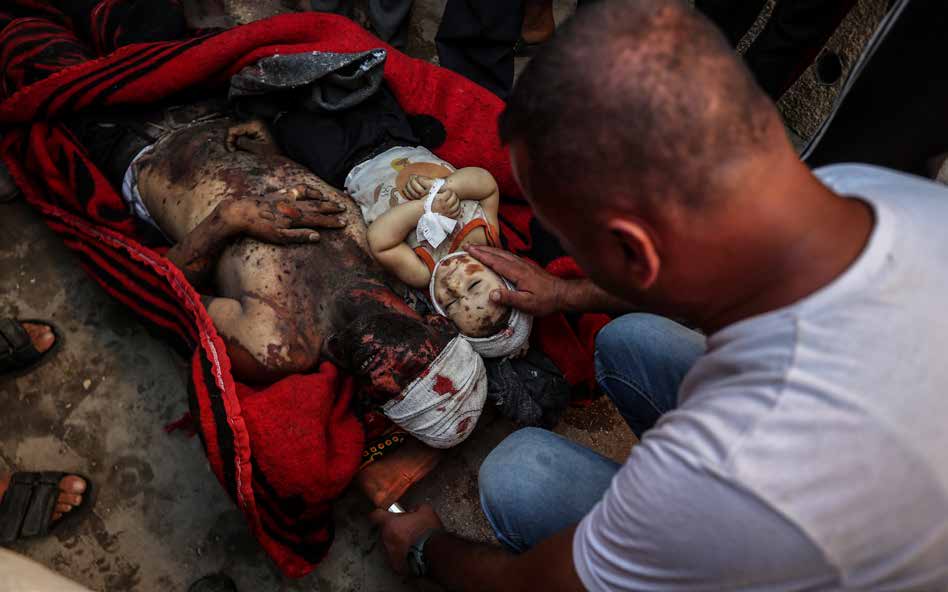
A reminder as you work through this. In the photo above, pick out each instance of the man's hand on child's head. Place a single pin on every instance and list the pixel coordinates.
(538, 292)
(447, 204)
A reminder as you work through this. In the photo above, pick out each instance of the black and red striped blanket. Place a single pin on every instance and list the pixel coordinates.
(283, 452)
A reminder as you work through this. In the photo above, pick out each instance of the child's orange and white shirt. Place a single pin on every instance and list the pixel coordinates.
(378, 185)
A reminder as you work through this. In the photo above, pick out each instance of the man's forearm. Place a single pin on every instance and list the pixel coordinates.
(585, 296)
(196, 254)
(463, 566)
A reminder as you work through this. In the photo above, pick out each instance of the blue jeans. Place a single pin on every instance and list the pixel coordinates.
(536, 483)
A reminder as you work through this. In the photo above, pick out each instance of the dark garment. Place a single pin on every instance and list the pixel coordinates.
(530, 391)
(791, 39)
(331, 143)
(894, 114)
(476, 39)
(387, 17)
(314, 80)
(113, 136)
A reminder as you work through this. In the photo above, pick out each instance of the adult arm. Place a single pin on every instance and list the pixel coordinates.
(667, 522)
(540, 293)
(284, 217)
(463, 566)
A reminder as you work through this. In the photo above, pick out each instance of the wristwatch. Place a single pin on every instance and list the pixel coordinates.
(417, 564)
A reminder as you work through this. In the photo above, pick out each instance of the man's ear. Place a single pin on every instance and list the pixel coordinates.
(641, 254)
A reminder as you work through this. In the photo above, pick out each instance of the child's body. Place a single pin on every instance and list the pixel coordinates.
(392, 190)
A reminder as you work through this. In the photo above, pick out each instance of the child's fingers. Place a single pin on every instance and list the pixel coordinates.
(415, 189)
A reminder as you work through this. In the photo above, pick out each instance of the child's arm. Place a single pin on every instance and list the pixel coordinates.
(388, 233)
(471, 183)
(386, 237)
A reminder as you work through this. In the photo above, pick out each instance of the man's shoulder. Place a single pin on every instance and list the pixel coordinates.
(881, 185)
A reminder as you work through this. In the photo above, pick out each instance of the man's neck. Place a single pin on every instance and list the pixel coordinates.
(815, 237)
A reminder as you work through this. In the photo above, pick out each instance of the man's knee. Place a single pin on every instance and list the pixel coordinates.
(519, 465)
(637, 342)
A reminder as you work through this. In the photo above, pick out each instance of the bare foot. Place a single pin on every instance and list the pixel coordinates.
(538, 23)
(71, 488)
(42, 336)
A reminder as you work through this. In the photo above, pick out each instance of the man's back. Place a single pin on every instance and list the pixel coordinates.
(808, 450)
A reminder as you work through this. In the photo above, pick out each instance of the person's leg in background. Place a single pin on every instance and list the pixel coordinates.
(536, 483)
(791, 39)
(343, 7)
(476, 39)
(641, 360)
(389, 18)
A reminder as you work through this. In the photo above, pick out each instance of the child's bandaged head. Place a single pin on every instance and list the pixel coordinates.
(442, 406)
(460, 290)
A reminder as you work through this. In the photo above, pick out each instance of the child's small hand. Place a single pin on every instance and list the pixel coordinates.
(447, 204)
(418, 187)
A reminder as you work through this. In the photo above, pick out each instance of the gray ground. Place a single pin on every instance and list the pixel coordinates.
(98, 407)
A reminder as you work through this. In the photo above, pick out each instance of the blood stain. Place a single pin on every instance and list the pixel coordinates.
(443, 386)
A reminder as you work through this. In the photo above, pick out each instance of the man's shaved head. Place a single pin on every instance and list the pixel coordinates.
(640, 100)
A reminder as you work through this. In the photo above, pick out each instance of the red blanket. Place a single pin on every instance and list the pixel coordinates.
(283, 452)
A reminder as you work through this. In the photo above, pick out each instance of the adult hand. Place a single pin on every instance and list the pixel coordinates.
(284, 217)
(401, 531)
(252, 136)
(538, 293)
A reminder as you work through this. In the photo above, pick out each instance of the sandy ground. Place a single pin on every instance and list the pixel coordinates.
(98, 407)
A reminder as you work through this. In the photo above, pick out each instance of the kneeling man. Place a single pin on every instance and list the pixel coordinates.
(802, 445)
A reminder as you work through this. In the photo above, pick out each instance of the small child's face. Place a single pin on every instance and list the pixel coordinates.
(463, 286)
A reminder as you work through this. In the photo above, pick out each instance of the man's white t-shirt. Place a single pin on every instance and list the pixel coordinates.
(809, 450)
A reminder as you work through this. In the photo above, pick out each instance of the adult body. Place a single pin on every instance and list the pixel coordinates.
(283, 259)
(801, 446)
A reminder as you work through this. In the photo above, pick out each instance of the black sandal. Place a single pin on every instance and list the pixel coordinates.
(29, 503)
(17, 354)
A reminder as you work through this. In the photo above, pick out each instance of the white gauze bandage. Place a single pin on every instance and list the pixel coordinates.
(505, 342)
(442, 406)
(433, 227)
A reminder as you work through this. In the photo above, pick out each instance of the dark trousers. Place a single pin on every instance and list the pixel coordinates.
(794, 34)
(476, 39)
(388, 17)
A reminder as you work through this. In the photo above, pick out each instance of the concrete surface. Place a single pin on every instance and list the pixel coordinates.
(98, 407)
